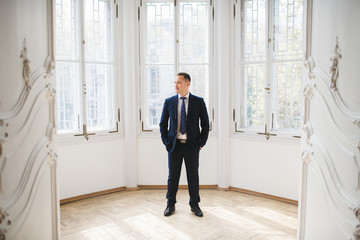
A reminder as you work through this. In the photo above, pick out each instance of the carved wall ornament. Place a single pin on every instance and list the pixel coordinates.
(357, 232)
(357, 122)
(50, 66)
(306, 156)
(357, 212)
(334, 69)
(51, 92)
(309, 90)
(26, 65)
(310, 65)
(4, 223)
(52, 157)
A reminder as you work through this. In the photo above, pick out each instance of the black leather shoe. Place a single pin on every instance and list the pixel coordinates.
(169, 210)
(197, 211)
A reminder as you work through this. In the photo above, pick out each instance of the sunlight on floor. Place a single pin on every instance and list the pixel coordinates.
(154, 228)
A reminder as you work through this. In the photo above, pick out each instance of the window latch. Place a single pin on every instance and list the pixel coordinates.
(85, 133)
(266, 133)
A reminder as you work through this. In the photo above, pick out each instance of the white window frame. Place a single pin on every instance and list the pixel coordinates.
(115, 131)
(238, 83)
(142, 82)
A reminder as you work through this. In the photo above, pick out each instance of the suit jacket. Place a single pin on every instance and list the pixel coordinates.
(196, 138)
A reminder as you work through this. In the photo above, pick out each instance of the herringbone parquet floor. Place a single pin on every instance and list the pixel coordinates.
(139, 215)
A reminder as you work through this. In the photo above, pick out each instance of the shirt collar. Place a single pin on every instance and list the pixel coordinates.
(187, 95)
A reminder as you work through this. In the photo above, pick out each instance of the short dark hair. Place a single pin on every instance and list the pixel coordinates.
(185, 75)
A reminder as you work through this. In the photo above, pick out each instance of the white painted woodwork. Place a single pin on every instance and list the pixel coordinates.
(130, 76)
(28, 190)
(222, 72)
(330, 193)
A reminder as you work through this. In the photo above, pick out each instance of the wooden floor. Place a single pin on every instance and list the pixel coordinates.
(139, 215)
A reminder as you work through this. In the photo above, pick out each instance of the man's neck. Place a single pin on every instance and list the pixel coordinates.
(183, 95)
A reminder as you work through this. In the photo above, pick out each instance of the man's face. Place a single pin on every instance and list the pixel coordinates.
(181, 85)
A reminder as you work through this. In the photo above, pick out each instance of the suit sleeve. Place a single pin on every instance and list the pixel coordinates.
(164, 121)
(204, 123)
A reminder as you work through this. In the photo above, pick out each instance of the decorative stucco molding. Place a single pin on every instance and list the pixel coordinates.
(49, 66)
(310, 65)
(309, 90)
(26, 65)
(5, 223)
(334, 69)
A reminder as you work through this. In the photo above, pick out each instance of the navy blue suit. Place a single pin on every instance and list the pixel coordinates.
(196, 116)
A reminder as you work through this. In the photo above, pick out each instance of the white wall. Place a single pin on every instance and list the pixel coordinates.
(271, 167)
(89, 167)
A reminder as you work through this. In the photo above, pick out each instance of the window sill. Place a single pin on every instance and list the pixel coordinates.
(281, 137)
(69, 138)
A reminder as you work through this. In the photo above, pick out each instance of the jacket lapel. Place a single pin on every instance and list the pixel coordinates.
(175, 106)
(189, 106)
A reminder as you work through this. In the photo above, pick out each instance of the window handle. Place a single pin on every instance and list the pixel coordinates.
(85, 133)
(266, 133)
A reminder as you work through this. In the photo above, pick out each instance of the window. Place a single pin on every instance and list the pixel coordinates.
(269, 60)
(85, 66)
(175, 36)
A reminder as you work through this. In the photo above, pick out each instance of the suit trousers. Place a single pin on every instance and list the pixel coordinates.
(175, 159)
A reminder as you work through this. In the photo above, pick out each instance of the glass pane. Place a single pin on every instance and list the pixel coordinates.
(253, 114)
(288, 29)
(194, 32)
(287, 95)
(98, 31)
(68, 96)
(160, 85)
(100, 97)
(67, 30)
(253, 35)
(199, 80)
(159, 38)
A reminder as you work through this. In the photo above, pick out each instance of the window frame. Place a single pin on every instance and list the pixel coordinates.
(143, 86)
(113, 132)
(239, 82)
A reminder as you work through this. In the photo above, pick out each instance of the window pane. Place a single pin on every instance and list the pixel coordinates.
(253, 34)
(99, 97)
(159, 33)
(287, 95)
(98, 34)
(288, 29)
(253, 114)
(160, 85)
(199, 80)
(68, 96)
(67, 30)
(194, 32)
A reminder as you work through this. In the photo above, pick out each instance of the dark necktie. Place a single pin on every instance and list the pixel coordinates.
(183, 117)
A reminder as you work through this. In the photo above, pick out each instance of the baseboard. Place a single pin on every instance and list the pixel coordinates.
(90, 195)
(180, 186)
(235, 189)
(264, 195)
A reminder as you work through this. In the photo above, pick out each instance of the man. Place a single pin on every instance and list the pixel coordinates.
(183, 140)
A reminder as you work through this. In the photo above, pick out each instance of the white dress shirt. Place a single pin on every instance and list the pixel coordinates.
(186, 100)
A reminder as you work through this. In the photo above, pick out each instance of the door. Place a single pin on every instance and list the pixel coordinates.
(28, 194)
(330, 194)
